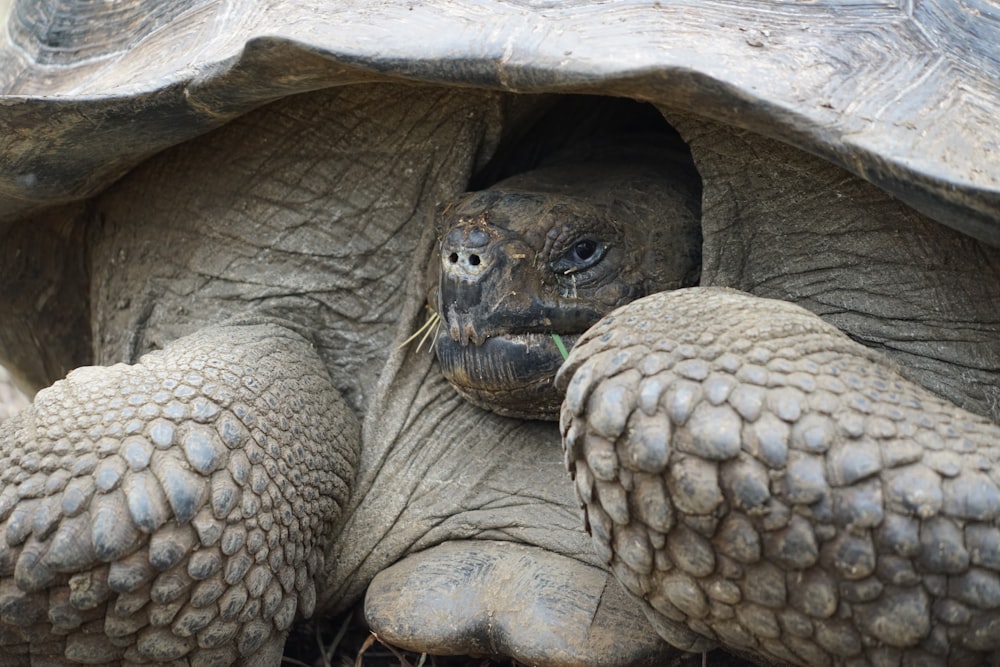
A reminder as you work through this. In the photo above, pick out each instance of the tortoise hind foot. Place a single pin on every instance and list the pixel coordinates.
(503, 599)
(174, 509)
(758, 478)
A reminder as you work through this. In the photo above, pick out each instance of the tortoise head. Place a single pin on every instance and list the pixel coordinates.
(522, 261)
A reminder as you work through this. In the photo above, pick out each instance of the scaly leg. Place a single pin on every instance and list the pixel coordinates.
(175, 509)
(760, 481)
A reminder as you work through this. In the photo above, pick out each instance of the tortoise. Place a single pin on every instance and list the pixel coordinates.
(221, 217)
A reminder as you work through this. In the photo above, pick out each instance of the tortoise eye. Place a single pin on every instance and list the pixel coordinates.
(580, 256)
(584, 250)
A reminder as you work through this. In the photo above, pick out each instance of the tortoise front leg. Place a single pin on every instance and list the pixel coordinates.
(175, 509)
(760, 480)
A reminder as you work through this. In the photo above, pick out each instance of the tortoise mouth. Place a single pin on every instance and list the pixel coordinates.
(511, 373)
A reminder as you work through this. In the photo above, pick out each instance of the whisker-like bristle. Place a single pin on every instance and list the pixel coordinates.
(435, 319)
(432, 319)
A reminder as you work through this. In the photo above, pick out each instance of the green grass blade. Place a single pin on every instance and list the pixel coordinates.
(562, 348)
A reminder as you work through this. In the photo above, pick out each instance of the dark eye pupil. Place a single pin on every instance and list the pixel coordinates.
(585, 249)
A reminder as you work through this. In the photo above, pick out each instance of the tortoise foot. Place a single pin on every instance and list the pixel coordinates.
(486, 598)
(173, 510)
(757, 478)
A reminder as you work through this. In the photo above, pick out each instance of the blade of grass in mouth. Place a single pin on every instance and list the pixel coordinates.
(559, 344)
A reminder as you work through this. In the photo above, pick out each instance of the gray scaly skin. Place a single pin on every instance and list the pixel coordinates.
(203, 482)
(762, 482)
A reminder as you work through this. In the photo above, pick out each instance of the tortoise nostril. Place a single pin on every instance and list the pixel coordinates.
(453, 258)
(474, 260)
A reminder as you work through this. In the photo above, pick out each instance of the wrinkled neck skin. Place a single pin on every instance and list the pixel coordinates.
(444, 469)
(782, 224)
(275, 216)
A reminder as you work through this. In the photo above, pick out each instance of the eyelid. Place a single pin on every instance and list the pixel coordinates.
(599, 253)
